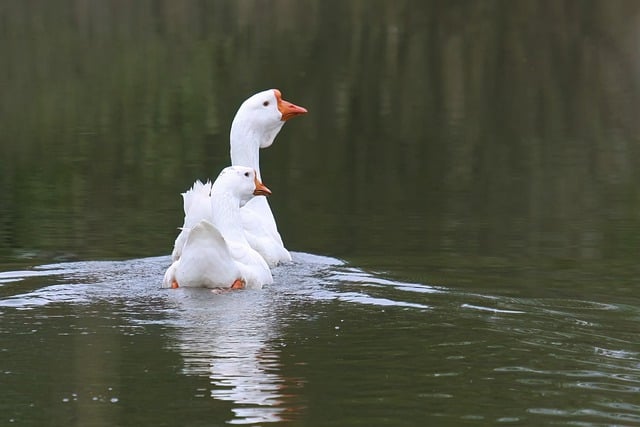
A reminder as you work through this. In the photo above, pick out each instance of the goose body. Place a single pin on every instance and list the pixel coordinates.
(212, 250)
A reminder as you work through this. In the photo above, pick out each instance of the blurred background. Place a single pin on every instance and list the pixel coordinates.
(446, 141)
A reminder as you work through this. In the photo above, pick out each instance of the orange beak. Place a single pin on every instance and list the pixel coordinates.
(261, 189)
(287, 109)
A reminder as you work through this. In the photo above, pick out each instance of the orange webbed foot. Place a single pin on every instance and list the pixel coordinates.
(238, 284)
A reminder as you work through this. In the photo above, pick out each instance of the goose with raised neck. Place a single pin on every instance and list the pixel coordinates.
(255, 126)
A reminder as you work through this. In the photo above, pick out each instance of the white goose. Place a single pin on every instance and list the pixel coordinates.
(214, 252)
(255, 126)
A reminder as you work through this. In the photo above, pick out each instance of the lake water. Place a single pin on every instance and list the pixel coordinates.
(462, 202)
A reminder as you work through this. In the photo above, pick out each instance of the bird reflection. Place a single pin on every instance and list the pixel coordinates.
(233, 339)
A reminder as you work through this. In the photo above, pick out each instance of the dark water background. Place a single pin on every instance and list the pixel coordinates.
(463, 202)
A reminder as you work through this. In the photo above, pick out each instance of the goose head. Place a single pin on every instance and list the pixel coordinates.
(241, 182)
(260, 118)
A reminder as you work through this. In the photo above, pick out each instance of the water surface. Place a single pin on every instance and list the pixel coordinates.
(101, 344)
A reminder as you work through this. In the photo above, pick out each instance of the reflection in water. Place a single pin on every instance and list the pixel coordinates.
(230, 337)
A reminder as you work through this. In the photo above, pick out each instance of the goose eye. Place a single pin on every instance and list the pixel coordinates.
(265, 103)
(246, 174)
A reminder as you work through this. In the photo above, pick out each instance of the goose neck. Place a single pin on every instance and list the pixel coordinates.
(225, 210)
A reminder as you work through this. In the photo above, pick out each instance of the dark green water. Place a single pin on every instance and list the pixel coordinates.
(462, 200)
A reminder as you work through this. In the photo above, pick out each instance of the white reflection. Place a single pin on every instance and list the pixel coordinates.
(233, 338)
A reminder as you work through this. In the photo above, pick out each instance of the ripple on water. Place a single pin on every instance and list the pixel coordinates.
(579, 413)
(538, 349)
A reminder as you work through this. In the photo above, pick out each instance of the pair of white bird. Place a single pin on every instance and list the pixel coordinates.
(229, 238)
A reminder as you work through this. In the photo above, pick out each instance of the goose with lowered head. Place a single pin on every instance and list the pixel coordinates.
(255, 126)
(215, 252)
